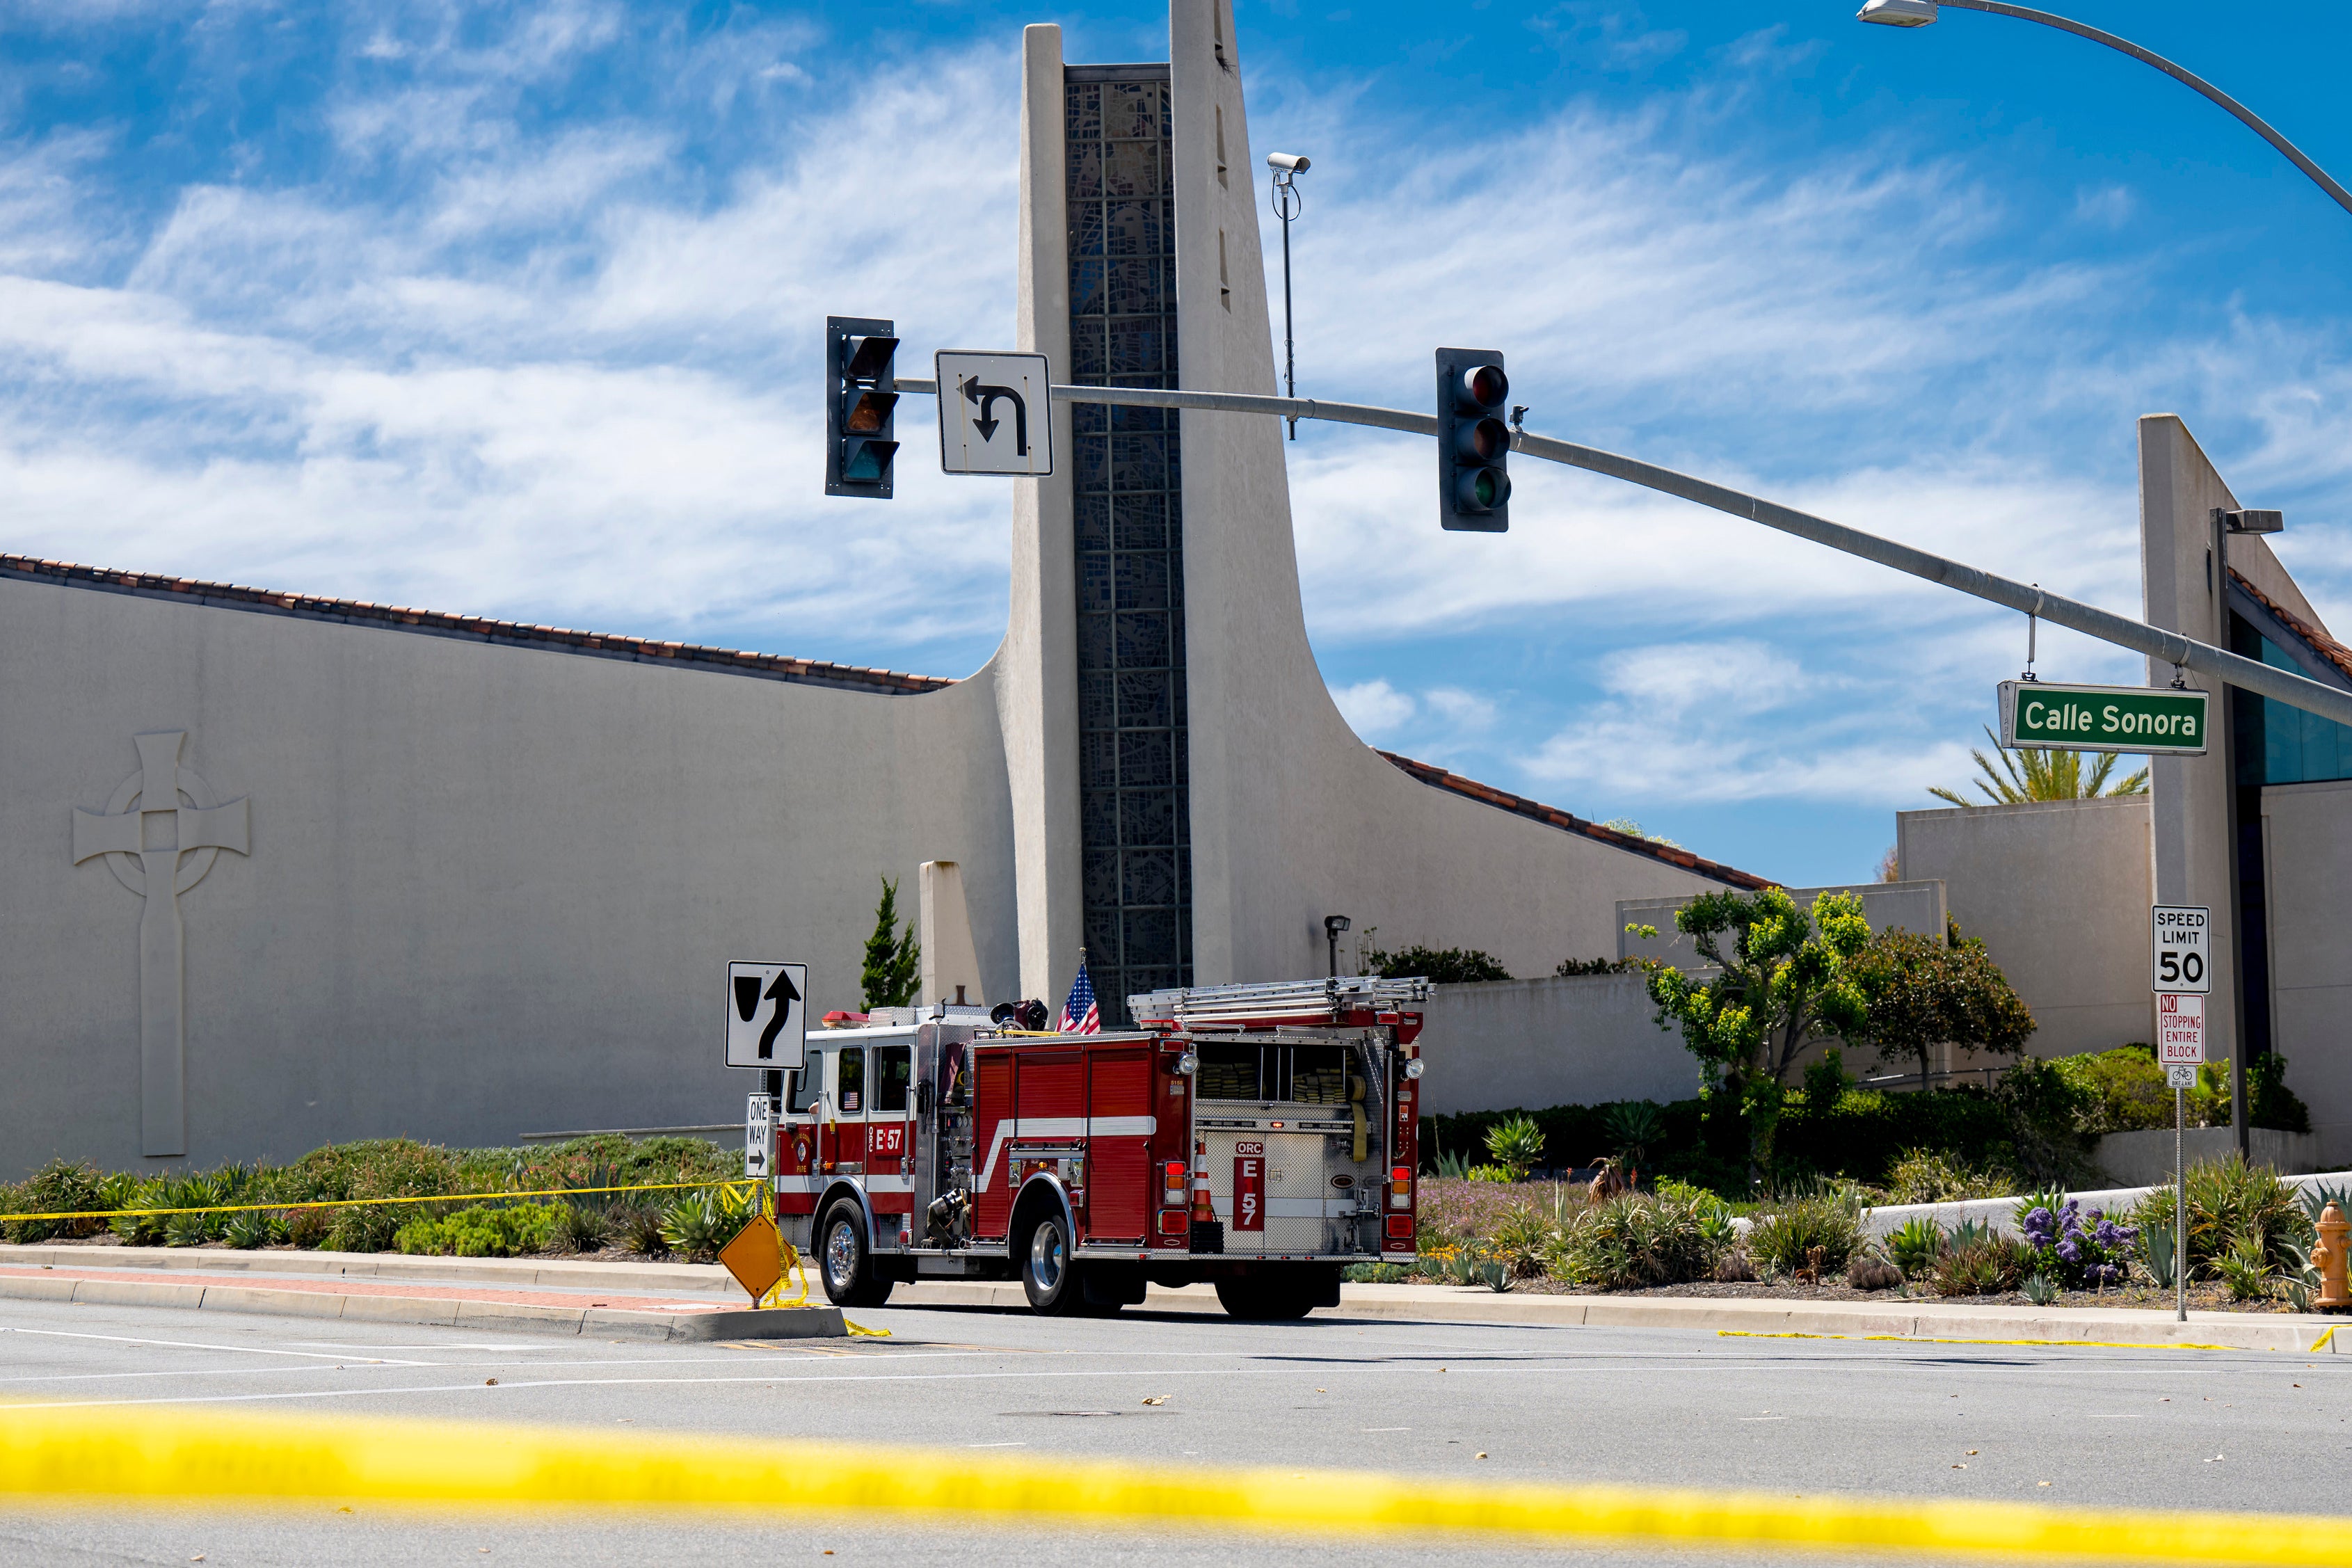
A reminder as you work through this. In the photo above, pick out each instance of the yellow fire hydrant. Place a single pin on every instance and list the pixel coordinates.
(2329, 1253)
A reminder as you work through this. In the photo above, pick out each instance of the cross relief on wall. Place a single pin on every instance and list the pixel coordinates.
(160, 835)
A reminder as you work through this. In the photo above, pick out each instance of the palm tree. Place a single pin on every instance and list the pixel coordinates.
(2044, 775)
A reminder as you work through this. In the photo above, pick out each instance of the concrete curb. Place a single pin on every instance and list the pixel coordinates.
(775, 1323)
(1896, 1317)
(580, 1273)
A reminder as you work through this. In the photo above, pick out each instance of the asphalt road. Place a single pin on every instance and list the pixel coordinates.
(2101, 1427)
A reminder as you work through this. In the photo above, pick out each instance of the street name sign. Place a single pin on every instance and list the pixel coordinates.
(767, 1021)
(2182, 936)
(2179, 1028)
(995, 414)
(2156, 719)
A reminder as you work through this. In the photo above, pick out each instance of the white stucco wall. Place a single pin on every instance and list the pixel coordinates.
(1293, 816)
(2307, 840)
(490, 890)
(2059, 892)
(1581, 1039)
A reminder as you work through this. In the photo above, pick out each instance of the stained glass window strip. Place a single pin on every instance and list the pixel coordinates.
(1138, 874)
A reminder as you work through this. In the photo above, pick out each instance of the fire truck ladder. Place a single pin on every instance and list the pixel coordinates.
(1271, 1004)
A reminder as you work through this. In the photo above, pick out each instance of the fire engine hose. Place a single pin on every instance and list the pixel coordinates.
(72, 1454)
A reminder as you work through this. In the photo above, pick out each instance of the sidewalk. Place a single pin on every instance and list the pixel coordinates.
(528, 1295)
(691, 1300)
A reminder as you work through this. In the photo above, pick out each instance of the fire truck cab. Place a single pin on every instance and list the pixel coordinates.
(1260, 1138)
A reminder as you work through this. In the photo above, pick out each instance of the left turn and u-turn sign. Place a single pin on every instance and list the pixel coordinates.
(767, 1017)
(995, 414)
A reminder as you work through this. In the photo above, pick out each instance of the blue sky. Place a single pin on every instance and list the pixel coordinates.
(515, 310)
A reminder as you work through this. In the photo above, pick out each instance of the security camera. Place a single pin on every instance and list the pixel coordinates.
(1286, 163)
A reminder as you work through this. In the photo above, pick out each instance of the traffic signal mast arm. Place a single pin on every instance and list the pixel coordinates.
(2295, 690)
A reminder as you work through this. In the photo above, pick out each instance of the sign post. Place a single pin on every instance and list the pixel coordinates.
(2181, 974)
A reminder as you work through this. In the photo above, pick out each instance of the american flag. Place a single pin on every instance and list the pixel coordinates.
(1079, 1014)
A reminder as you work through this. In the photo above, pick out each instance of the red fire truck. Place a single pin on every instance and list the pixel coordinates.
(1260, 1138)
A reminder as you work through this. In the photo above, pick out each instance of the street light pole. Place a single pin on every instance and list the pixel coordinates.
(1920, 13)
(1287, 205)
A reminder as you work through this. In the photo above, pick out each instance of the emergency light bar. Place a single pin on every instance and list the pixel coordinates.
(1266, 1006)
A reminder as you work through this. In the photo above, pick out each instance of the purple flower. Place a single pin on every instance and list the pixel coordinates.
(2071, 1250)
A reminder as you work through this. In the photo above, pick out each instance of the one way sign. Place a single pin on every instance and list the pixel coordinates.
(995, 414)
(767, 1021)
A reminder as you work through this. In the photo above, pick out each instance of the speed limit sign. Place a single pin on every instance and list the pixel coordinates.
(2183, 948)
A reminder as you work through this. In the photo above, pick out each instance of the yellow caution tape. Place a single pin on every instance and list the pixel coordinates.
(363, 1203)
(1930, 1340)
(159, 1454)
(2321, 1343)
(860, 1332)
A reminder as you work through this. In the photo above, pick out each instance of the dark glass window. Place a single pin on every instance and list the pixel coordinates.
(893, 1067)
(1137, 878)
(801, 1087)
(2277, 744)
(851, 1083)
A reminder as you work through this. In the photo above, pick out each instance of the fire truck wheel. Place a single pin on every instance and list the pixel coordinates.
(1049, 1275)
(1262, 1301)
(847, 1269)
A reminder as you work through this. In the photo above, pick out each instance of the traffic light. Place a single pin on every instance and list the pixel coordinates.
(1473, 488)
(860, 393)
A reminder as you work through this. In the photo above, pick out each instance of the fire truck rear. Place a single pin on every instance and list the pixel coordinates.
(1259, 1138)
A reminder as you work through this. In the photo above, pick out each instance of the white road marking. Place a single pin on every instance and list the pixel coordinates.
(186, 1345)
(503, 1388)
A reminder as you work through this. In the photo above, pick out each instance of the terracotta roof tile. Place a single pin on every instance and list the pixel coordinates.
(471, 628)
(1520, 805)
(2327, 648)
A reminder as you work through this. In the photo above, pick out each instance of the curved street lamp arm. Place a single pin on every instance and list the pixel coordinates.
(2252, 120)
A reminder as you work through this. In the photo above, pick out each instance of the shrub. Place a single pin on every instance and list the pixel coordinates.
(1376, 1274)
(56, 1188)
(2124, 1089)
(481, 1231)
(1444, 965)
(307, 1227)
(252, 1228)
(639, 1226)
(1637, 1240)
(1788, 1238)
(2245, 1268)
(1516, 1145)
(1868, 1271)
(700, 1224)
(2230, 1202)
(1978, 1261)
(2086, 1250)
(586, 1229)
(1927, 1176)
(1501, 1173)
(1916, 1245)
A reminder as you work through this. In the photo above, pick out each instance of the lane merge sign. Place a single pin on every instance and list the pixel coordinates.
(2153, 718)
(2183, 938)
(2180, 1029)
(767, 1019)
(996, 413)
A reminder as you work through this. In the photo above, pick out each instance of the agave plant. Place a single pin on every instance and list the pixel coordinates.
(1916, 1245)
(700, 1224)
(1516, 1145)
(2039, 1289)
(248, 1230)
(2245, 1268)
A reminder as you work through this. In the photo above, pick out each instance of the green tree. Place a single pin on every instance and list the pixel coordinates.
(1923, 992)
(1783, 980)
(2036, 774)
(893, 960)
(1445, 965)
